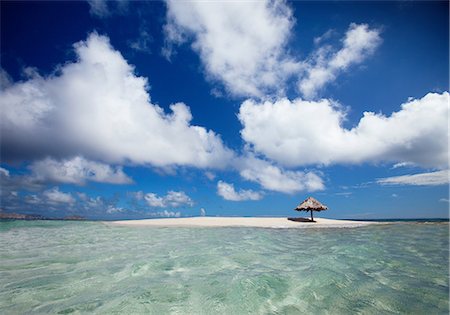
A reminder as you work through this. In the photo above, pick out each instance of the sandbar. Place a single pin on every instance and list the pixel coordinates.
(261, 222)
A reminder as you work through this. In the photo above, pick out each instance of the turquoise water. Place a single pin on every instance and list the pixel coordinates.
(62, 267)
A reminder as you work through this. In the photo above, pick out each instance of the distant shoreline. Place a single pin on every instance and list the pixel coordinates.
(262, 222)
(19, 217)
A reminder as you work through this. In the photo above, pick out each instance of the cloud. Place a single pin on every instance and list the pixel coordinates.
(402, 164)
(5, 79)
(210, 175)
(33, 200)
(323, 67)
(112, 209)
(173, 199)
(96, 107)
(142, 43)
(154, 201)
(98, 8)
(297, 133)
(241, 44)
(13, 182)
(346, 194)
(105, 8)
(272, 177)
(244, 46)
(227, 192)
(77, 171)
(444, 200)
(4, 172)
(54, 196)
(423, 179)
(166, 214)
(50, 202)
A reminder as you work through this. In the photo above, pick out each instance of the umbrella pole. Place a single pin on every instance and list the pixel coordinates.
(312, 217)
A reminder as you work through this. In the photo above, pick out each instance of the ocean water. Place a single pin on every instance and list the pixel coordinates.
(62, 267)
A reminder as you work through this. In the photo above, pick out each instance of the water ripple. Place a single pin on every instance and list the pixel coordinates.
(84, 267)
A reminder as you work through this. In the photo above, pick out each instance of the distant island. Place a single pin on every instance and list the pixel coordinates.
(20, 216)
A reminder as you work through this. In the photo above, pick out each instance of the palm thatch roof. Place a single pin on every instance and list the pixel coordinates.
(311, 204)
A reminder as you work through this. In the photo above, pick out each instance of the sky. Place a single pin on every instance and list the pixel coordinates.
(132, 109)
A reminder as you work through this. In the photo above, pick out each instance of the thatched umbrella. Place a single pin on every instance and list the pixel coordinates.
(311, 204)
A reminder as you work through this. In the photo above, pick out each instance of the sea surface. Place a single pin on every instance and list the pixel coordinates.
(61, 267)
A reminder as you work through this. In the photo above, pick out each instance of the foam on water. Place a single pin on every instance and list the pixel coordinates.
(84, 267)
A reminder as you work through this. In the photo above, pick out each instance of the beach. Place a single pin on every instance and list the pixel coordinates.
(260, 222)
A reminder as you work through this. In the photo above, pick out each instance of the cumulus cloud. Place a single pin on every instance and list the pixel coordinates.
(244, 46)
(241, 44)
(55, 196)
(423, 179)
(166, 214)
(227, 192)
(52, 202)
(299, 132)
(113, 209)
(172, 199)
(98, 108)
(359, 42)
(272, 177)
(77, 171)
(13, 182)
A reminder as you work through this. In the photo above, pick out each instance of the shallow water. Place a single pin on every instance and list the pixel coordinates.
(86, 267)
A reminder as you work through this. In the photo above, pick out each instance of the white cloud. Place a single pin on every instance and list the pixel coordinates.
(173, 199)
(275, 178)
(154, 201)
(241, 44)
(166, 214)
(423, 179)
(227, 192)
(323, 67)
(77, 171)
(113, 209)
(98, 108)
(402, 164)
(298, 132)
(54, 196)
(244, 46)
(444, 200)
(4, 172)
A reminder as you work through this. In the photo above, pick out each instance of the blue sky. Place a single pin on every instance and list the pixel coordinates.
(161, 109)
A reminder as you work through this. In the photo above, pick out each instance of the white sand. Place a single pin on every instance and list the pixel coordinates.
(265, 222)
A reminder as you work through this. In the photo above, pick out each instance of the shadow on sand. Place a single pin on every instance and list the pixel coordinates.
(301, 220)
